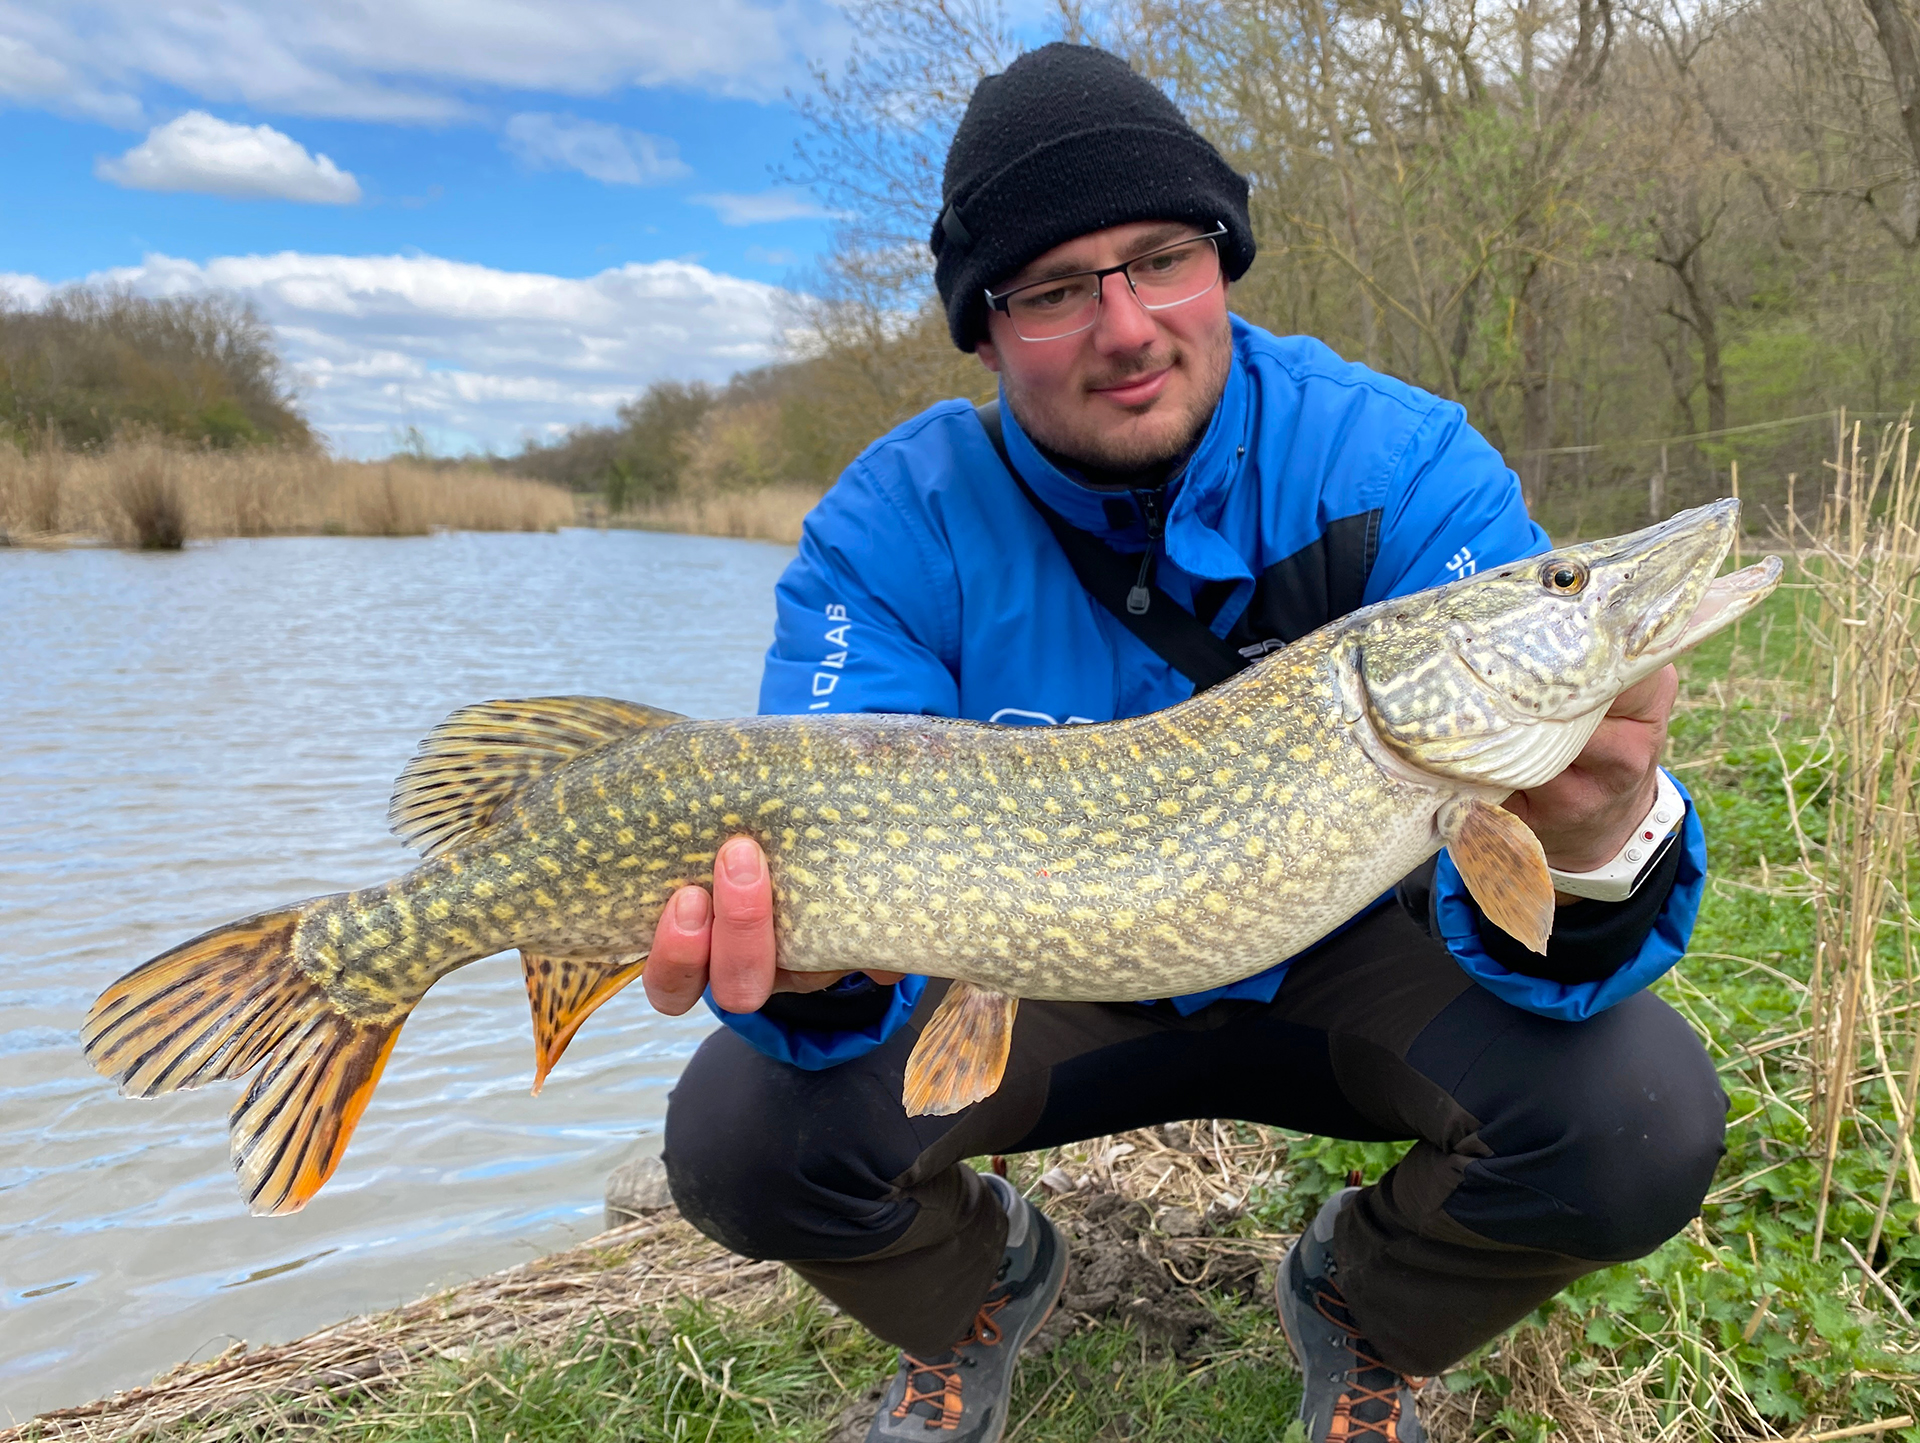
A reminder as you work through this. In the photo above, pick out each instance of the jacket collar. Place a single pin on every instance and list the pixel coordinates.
(1193, 499)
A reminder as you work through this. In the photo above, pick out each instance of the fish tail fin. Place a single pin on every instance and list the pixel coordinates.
(220, 1006)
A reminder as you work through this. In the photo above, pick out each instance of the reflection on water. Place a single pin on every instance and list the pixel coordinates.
(186, 739)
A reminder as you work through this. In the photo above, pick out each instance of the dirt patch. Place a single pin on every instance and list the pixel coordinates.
(1129, 1266)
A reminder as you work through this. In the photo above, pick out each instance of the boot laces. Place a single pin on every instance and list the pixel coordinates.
(939, 1399)
(1376, 1397)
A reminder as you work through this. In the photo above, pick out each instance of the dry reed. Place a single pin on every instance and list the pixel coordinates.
(1860, 560)
(771, 513)
(144, 493)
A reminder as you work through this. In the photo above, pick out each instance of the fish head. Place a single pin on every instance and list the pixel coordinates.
(1499, 679)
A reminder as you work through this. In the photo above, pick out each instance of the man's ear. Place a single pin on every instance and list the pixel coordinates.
(989, 357)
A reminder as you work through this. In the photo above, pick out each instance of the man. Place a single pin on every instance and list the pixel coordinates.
(1252, 488)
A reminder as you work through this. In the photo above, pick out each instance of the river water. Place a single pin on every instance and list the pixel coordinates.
(189, 738)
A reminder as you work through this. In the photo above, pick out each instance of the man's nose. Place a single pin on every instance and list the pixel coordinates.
(1124, 324)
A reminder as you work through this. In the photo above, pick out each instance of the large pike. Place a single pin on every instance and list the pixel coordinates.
(1151, 857)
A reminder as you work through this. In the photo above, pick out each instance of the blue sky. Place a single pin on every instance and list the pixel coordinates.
(485, 218)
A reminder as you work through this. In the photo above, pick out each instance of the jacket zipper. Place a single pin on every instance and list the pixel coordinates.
(1140, 598)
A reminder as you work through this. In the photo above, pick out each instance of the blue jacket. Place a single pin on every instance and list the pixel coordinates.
(926, 583)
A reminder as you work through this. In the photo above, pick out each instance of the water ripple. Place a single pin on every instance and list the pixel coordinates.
(186, 739)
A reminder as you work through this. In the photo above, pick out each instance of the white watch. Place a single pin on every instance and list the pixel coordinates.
(1616, 880)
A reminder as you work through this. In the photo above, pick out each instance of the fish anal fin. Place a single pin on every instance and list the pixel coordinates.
(1504, 868)
(482, 754)
(563, 992)
(961, 1053)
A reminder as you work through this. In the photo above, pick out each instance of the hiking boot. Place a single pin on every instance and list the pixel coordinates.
(961, 1394)
(1348, 1392)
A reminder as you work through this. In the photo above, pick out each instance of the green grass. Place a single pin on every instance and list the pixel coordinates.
(784, 1375)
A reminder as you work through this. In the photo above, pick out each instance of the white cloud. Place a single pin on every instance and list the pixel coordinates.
(19, 290)
(478, 356)
(608, 153)
(783, 202)
(405, 60)
(201, 152)
(30, 77)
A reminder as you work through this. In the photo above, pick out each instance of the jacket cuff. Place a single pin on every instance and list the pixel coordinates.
(1572, 992)
(831, 1030)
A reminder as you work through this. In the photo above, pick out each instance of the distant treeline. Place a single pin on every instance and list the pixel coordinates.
(95, 362)
(792, 425)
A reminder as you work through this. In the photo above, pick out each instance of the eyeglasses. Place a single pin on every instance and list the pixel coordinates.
(1168, 276)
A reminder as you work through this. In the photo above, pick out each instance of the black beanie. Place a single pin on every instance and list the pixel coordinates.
(1065, 141)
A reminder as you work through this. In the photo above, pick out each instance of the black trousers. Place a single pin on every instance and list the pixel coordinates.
(1542, 1150)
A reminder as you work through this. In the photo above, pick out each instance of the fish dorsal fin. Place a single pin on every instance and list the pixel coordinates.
(1502, 864)
(482, 754)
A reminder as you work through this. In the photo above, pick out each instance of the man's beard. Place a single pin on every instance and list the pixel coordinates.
(1122, 459)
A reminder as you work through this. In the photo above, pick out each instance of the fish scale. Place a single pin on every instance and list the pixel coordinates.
(1151, 857)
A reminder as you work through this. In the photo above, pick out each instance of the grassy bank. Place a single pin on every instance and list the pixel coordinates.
(652, 1332)
(155, 495)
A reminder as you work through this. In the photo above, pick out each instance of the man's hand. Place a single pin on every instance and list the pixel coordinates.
(1584, 816)
(726, 941)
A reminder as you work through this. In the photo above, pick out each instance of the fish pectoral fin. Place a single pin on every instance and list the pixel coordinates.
(563, 992)
(1504, 868)
(482, 754)
(228, 1002)
(962, 1053)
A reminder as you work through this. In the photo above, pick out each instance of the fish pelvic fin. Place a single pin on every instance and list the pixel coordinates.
(224, 1004)
(563, 992)
(961, 1055)
(1504, 868)
(476, 759)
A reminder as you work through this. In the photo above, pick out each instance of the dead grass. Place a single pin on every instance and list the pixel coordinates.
(145, 493)
(772, 513)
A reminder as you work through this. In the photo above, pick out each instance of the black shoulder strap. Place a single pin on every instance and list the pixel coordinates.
(1173, 632)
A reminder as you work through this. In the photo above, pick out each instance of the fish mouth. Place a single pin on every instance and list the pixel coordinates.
(1664, 573)
(1728, 598)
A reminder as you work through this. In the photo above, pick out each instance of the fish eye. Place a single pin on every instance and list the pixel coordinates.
(1564, 578)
